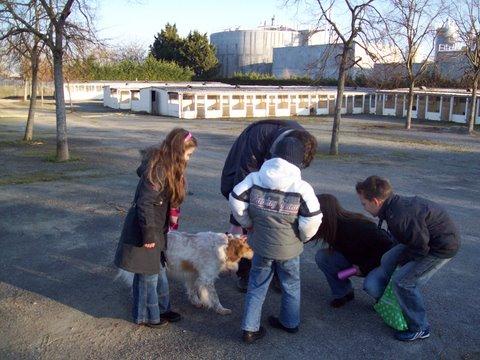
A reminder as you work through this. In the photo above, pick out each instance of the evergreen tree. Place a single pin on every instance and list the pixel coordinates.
(199, 55)
(194, 51)
(168, 45)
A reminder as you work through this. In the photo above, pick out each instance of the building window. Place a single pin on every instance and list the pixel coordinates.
(433, 104)
(135, 94)
(261, 102)
(214, 102)
(173, 98)
(389, 102)
(459, 105)
(188, 102)
(237, 102)
(124, 96)
(303, 101)
(322, 102)
(283, 101)
(113, 91)
(372, 101)
(358, 101)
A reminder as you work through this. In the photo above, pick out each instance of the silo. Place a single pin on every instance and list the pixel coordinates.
(251, 50)
(445, 40)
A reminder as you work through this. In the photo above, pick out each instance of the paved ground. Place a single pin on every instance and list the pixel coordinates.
(60, 223)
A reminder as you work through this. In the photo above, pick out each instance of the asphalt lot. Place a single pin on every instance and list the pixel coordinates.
(59, 225)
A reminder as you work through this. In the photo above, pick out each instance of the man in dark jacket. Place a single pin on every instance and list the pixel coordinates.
(427, 238)
(248, 153)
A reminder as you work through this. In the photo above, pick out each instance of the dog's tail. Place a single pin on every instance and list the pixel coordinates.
(124, 277)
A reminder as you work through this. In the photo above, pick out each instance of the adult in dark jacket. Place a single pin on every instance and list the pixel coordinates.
(143, 239)
(428, 240)
(248, 153)
(353, 241)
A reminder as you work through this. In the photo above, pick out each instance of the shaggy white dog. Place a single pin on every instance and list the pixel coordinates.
(198, 259)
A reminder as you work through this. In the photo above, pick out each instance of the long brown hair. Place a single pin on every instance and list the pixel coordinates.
(166, 164)
(332, 211)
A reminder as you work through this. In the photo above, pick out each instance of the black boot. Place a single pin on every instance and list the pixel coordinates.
(275, 322)
(251, 336)
(336, 303)
(171, 316)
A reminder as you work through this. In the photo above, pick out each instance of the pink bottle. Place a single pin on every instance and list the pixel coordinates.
(344, 274)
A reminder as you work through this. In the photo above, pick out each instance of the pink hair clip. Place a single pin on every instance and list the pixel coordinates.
(188, 136)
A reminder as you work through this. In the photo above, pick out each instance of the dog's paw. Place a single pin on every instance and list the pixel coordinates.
(223, 311)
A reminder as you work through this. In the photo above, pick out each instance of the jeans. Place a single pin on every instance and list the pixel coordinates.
(406, 282)
(260, 277)
(147, 303)
(331, 262)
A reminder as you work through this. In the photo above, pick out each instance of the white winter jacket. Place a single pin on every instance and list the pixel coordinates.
(281, 207)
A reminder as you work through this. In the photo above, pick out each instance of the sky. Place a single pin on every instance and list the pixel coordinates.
(137, 21)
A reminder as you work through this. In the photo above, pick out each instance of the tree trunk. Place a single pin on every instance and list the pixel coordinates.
(33, 101)
(338, 105)
(473, 107)
(25, 91)
(62, 143)
(408, 121)
(69, 96)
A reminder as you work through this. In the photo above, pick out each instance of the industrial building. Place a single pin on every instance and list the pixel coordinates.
(285, 52)
(246, 51)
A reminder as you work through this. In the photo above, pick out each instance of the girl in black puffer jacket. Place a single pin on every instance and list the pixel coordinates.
(353, 240)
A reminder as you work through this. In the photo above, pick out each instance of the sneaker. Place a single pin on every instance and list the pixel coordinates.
(412, 335)
(158, 325)
(171, 316)
(336, 303)
(275, 322)
(242, 284)
(251, 336)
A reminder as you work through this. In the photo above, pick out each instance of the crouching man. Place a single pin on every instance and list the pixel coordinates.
(427, 239)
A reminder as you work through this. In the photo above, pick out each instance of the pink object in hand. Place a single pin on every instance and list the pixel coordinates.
(344, 274)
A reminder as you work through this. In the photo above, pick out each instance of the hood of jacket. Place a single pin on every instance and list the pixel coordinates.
(279, 174)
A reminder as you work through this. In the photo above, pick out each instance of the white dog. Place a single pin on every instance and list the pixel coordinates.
(199, 258)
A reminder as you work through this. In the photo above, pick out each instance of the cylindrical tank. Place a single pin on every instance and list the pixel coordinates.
(251, 50)
(446, 39)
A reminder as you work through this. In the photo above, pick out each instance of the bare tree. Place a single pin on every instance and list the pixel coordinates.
(407, 25)
(62, 30)
(467, 20)
(336, 14)
(24, 45)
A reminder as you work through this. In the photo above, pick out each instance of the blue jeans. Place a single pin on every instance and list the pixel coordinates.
(331, 262)
(406, 282)
(261, 274)
(147, 303)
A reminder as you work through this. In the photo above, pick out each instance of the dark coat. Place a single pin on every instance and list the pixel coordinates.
(250, 150)
(146, 222)
(361, 243)
(422, 225)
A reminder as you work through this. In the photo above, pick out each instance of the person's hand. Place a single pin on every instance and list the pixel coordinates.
(173, 219)
(149, 245)
(359, 272)
(235, 230)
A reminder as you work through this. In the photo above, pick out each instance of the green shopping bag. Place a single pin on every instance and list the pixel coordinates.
(387, 307)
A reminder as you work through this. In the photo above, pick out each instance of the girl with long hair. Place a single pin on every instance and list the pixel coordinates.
(352, 240)
(160, 191)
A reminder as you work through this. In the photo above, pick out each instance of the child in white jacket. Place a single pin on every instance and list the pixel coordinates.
(282, 212)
